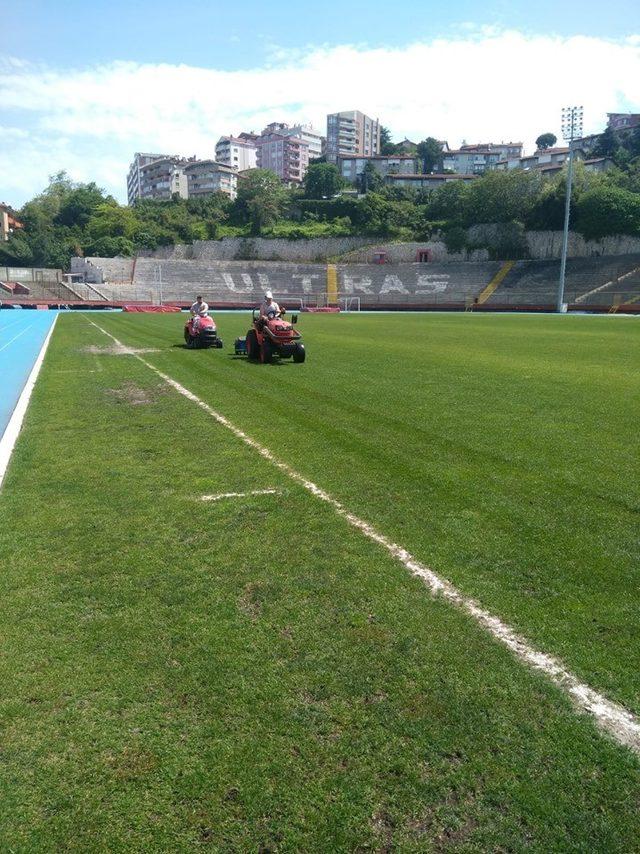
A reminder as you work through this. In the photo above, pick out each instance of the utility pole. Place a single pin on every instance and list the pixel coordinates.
(571, 130)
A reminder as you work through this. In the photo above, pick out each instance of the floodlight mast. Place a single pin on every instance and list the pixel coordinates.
(571, 130)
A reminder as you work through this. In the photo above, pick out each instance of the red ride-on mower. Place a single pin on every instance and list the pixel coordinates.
(206, 335)
(274, 337)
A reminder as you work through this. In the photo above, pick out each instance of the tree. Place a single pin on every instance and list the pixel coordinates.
(370, 180)
(79, 203)
(605, 209)
(502, 196)
(633, 143)
(607, 144)
(546, 140)
(387, 147)
(430, 152)
(322, 181)
(261, 199)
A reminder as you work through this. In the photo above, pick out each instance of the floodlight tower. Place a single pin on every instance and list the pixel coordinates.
(571, 130)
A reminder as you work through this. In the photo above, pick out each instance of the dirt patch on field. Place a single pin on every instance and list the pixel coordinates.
(133, 395)
(116, 350)
(249, 602)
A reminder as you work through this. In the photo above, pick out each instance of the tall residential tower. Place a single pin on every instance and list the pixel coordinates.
(351, 132)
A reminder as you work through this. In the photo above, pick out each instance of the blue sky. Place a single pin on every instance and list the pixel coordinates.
(239, 35)
(85, 85)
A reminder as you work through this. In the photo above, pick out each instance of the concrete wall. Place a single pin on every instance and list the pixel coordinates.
(316, 249)
(29, 274)
(98, 270)
(537, 245)
(407, 253)
(548, 244)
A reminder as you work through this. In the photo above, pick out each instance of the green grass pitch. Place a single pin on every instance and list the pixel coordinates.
(252, 674)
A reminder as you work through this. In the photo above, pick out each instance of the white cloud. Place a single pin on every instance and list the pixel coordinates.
(478, 85)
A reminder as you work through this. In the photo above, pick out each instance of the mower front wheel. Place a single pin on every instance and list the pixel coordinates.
(299, 353)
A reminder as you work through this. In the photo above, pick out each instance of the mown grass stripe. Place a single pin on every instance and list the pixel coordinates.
(611, 717)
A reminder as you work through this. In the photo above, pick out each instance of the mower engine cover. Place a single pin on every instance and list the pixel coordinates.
(202, 336)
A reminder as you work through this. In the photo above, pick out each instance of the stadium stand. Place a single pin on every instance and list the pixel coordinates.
(399, 285)
(535, 283)
(242, 282)
(596, 283)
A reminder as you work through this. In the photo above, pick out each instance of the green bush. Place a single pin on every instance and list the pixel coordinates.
(606, 210)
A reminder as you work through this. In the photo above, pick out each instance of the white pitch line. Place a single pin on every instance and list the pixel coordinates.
(10, 435)
(8, 326)
(15, 337)
(222, 495)
(610, 716)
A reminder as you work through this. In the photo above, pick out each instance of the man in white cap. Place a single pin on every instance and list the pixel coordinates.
(198, 309)
(269, 306)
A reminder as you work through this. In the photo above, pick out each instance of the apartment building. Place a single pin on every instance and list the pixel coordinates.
(540, 159)
(623, 121)
(8, 222)
(238, 152)
(351, 132)
(352, 166)
(133, 176)
(287, 156)
(205, 177)
(307, 133)
(507, 150)
(425, 182)
(160, 179)
(481, 157)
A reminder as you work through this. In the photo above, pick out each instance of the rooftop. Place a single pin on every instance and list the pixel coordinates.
(376, 157)
(450, 175)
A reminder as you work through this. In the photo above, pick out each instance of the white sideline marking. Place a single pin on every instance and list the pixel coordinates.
(10, 435)
(610, 716)
(222, 495)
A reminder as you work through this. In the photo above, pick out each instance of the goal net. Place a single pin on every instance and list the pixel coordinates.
(350, 303)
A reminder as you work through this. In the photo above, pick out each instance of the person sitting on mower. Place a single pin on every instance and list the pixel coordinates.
(198, 309)
(270, 307)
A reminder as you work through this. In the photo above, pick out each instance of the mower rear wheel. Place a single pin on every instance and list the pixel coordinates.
(252, 344)
(299, 353)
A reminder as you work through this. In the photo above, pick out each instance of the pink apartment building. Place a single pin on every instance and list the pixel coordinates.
(287, 156)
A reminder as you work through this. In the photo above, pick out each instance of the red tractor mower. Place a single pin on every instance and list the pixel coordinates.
(205, 335)
(273, 337)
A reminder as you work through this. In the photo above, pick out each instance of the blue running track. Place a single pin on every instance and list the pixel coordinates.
(22, 335)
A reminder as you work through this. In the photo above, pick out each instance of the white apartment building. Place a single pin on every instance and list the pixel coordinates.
(307, 133)
(133, 176)
(238, 152)
(160, 179)
(351, 132)
(205, 177)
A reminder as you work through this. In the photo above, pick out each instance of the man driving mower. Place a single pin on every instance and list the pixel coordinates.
(198, 309)
(270, 306)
